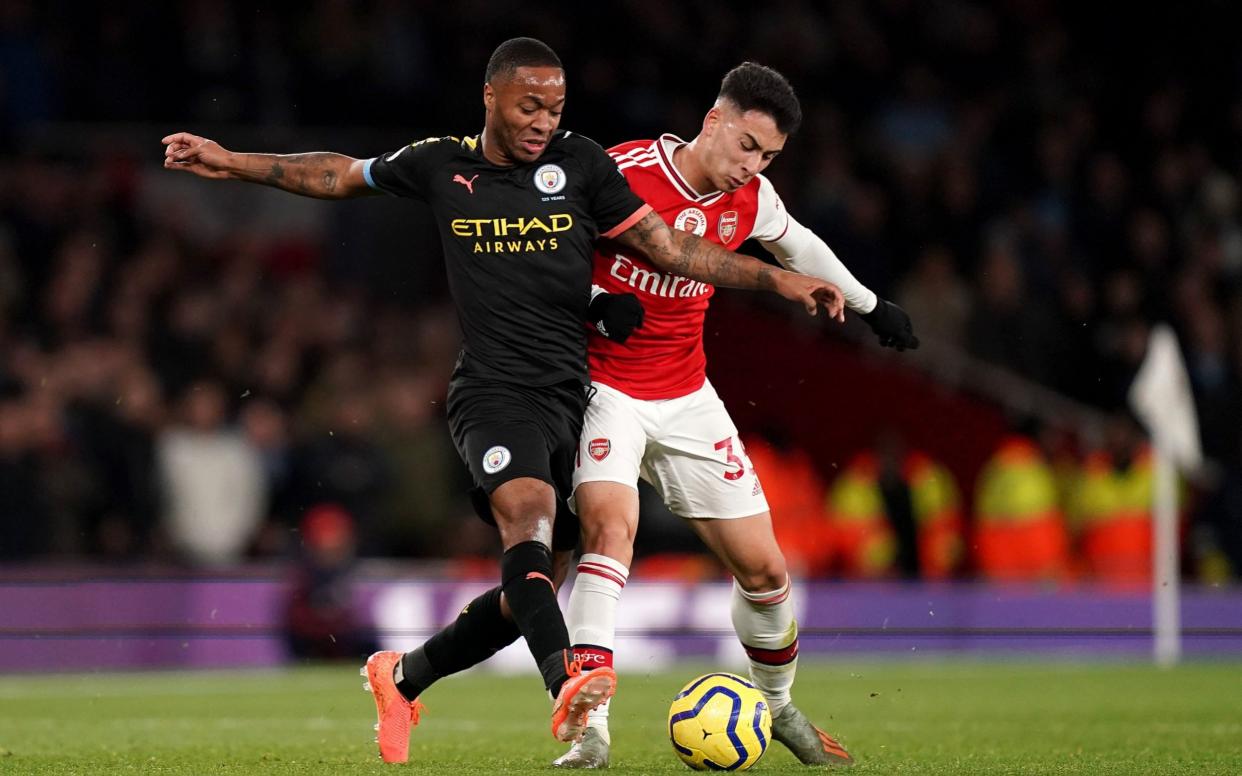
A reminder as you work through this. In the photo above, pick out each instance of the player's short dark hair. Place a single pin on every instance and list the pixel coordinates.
(751, 86)
(519, 52)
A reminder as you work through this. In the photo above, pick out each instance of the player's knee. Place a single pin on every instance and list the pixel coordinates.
(768, 574)
(524, 511)
(611, 535)
(526, 514)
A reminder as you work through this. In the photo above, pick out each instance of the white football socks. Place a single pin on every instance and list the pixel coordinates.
(765, 625)
(592, 619)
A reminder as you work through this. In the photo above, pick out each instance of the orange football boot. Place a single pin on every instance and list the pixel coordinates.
(581, 692)
(397, 716)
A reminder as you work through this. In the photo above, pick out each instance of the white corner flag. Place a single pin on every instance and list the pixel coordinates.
(1161, 397)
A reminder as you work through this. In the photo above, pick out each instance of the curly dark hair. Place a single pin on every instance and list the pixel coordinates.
(519, 52)
(751, 86)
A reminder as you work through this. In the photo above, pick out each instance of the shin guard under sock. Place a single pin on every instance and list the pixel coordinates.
(526, 577)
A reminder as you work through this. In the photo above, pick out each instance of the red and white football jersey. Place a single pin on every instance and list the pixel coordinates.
(663, 359)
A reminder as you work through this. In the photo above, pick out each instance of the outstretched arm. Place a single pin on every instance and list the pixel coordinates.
(801, 250)
(693, 257)
(321, 174)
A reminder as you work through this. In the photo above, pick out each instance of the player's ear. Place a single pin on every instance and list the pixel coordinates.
(711, 120)
(489, 97)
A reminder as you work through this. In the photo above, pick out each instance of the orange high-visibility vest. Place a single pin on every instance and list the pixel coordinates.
(865, 546)
(795, 495)
(1019, 527)
(938, 515)
(1112, 513)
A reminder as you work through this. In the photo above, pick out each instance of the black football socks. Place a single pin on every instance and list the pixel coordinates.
(526, 575)
(479, 632)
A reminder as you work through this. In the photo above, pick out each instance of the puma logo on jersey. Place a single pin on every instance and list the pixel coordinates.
(469, 184)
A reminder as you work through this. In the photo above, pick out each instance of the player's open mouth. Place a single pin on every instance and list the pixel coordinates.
(734, 183)
(533, 146)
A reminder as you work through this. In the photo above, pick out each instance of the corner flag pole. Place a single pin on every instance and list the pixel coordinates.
(1161, 397)
(1166, 591)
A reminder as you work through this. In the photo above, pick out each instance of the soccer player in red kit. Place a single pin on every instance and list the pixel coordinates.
(519, 207)
(656, 416)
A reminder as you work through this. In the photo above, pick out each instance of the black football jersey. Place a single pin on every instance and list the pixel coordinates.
(517, 245)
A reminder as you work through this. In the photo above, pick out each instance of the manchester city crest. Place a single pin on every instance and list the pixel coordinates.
(496, 459)
(550, 178)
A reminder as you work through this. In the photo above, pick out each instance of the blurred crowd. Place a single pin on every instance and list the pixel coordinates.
(154, 399)
(1040, 511)
(1034, 188)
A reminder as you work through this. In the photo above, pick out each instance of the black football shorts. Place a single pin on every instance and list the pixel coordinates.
(505, 431)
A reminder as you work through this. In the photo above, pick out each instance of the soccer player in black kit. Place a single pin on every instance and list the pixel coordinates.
(518, 208)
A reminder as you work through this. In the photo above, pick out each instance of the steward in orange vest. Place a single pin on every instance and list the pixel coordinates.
(938, 516)
(1019, 532)
(1110, 506)
(865, 544)
(906, 519)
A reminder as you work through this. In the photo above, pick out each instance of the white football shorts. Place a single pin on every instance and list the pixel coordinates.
(687, 448)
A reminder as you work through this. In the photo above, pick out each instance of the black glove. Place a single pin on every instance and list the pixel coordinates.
(891, 324)
(615, 316)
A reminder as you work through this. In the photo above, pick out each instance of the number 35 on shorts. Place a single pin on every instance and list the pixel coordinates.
(736, 467)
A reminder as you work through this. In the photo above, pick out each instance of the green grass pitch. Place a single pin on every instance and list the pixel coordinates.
(933, 717)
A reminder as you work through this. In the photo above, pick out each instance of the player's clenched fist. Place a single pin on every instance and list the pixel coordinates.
(615, 316)
(203, 157)
(892, 325)
(811, 292)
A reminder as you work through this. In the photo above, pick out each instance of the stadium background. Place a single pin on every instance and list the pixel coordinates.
(1035, 186)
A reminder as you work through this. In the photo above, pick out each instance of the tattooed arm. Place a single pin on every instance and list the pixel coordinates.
(685, 254)
(321, 174)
